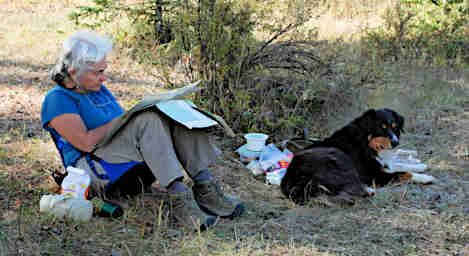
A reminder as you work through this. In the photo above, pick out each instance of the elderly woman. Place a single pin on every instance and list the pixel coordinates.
(80, 110)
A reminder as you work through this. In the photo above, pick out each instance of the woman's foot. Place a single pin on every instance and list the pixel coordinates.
(184, 210)
(211, 200)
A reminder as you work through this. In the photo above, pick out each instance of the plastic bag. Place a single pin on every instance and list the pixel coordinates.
(272, 158)
(275, 177)
(255, 167)
(402, 161)
(274, 163)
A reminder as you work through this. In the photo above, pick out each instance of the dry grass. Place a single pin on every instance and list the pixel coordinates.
(404, 219)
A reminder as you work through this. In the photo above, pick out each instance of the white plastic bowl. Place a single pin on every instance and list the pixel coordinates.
(256, 141)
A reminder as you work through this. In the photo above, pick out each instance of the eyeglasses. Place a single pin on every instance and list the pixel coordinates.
(97, 72)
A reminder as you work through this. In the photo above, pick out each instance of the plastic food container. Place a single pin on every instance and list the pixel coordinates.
(76, 183)
(256, 141)
(64, 205)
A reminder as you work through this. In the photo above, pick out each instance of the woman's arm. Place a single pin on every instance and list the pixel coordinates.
(72, 128)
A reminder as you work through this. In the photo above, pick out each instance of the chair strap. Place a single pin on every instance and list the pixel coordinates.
(89, 159)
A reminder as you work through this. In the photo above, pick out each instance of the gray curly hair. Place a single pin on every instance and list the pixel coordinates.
(78, 52)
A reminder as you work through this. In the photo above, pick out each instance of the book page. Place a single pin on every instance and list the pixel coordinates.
(183, 112)
(192, 119)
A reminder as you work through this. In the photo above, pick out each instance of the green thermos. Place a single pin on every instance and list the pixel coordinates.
(109, 209)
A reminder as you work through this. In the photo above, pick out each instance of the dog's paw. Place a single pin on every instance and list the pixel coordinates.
(387, 169)
(343, 198)
(422, 178)
(371, 191)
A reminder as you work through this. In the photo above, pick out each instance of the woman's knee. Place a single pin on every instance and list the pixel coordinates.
(149, 119)
(148, 115)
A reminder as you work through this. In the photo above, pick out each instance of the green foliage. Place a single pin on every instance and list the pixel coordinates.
(435, 34)
(277, 84)
(254, 84)
(149, 13)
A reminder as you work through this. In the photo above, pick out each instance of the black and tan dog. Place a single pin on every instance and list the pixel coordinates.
(344, 163)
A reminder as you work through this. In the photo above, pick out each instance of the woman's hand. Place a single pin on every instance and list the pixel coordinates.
(72, 128)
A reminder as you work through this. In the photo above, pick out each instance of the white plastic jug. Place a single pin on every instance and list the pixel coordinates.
(64, 205)
(76, 183)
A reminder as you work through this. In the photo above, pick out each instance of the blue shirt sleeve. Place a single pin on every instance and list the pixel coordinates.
(57, 103)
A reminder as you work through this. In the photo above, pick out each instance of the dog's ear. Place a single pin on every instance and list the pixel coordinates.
(367, 120)
(370, 113)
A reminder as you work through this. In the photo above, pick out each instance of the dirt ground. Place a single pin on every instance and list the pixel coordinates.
(402, 219)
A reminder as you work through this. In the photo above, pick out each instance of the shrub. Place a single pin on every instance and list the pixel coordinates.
(436, 34)
(270, 85)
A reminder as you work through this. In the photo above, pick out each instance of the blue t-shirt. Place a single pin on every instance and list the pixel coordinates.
(95, 108)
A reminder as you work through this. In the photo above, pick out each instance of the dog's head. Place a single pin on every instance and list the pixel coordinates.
(384, 127)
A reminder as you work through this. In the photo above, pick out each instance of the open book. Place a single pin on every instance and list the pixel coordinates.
(186, 113)
(171, 104)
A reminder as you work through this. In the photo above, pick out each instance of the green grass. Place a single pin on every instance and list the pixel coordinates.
(402, 219)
